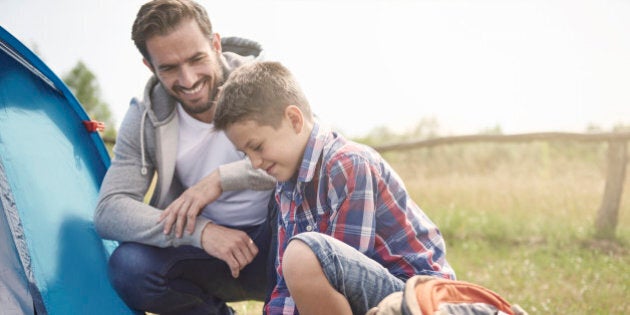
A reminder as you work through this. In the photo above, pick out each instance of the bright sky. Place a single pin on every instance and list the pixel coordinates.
(526, 65)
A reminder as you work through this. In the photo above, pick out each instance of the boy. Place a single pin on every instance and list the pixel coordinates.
(348, 232)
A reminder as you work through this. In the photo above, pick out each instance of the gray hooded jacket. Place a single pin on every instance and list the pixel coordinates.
(146, 148)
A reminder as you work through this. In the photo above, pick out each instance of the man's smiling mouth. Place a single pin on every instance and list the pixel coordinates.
(194, 90)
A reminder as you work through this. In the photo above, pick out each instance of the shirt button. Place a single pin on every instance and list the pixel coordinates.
(309, 228)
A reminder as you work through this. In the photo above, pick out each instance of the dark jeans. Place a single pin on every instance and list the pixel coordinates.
(186, 280)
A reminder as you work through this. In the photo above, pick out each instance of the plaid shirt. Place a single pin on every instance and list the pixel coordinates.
(346, 190)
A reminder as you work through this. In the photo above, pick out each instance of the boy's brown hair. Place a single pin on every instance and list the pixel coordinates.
(259, 91)
(159, 17)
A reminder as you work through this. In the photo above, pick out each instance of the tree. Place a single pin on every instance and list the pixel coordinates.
(83, 84)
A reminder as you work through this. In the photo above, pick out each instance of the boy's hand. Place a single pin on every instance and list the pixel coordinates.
(185, 209)
(230, 245)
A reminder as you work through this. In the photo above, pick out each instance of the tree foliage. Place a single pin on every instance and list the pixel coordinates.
(84, 85)
(426, 128)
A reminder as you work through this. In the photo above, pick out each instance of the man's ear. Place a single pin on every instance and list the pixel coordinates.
(148, 64)
(295, 117)
(216, 42)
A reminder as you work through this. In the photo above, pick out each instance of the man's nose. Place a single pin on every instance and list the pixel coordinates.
(186, 77)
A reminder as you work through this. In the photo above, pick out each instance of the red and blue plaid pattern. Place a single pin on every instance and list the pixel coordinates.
(346, 190)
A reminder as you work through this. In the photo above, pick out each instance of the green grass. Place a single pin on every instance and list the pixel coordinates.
(519, 218)
(247, 307)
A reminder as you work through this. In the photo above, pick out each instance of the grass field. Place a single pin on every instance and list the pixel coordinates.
(518, 219)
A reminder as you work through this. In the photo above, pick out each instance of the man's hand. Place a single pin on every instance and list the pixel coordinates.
(230, 245)
(185, 209)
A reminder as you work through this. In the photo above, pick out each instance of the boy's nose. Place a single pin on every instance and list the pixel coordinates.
(256, 161)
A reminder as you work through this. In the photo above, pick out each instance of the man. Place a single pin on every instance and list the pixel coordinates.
(210, 244)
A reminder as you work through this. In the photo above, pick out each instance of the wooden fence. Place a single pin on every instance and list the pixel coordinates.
(617, 159)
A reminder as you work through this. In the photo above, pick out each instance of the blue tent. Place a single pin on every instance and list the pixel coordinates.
(51, 167)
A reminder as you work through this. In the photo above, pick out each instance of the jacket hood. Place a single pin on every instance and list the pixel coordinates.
(160, 106)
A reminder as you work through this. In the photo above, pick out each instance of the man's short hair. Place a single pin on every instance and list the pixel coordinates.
(259, 91)
(159, 17)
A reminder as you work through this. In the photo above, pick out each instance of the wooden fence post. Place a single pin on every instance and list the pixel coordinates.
(608, 213)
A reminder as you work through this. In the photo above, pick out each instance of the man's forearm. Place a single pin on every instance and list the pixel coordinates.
(240, 175)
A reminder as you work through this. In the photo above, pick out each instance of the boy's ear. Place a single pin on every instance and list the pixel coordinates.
(295, 117)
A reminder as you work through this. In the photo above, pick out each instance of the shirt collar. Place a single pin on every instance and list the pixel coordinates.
(313, 152)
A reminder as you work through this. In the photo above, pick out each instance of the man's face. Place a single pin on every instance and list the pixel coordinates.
(187, 64)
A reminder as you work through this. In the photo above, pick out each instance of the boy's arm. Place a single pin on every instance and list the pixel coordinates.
(369, 200)
(352, 189)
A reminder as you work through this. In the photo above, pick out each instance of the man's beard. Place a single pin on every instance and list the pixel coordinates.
(212, 95)
(220, 78)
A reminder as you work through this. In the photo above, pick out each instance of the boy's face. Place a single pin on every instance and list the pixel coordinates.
(276, 151)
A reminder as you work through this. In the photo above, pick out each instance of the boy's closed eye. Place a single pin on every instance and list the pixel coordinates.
(253, 146)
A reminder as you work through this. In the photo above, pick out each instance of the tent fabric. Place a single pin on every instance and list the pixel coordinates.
(15, 297)
(51, 168)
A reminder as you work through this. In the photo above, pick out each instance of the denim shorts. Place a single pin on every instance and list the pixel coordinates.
(363, 281)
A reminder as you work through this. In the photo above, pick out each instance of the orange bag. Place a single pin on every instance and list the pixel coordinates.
(424, 295)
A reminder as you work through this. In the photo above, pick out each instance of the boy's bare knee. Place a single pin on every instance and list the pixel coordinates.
(298, 260)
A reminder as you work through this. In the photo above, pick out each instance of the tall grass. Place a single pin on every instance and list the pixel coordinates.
(519, 219)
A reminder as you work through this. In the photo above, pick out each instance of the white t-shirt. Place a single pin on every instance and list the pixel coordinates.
(201, 150)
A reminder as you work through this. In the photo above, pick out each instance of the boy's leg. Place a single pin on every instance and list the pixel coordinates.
(308, 283)
(360, 280)
(185, 279)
